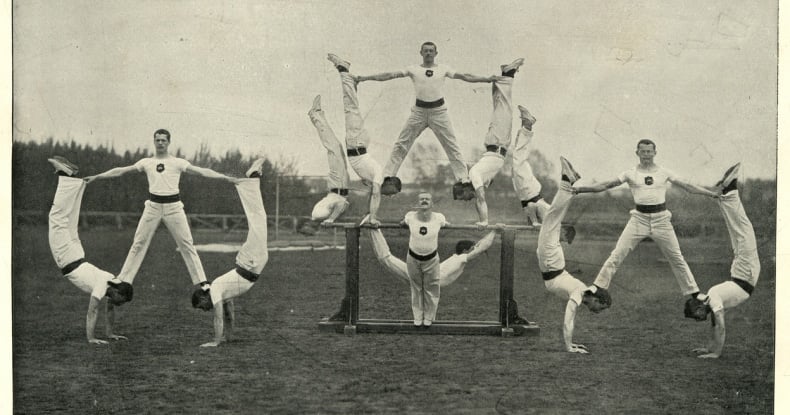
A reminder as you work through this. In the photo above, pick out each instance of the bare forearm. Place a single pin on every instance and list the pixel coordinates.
(109, 319)
(90, 318)
(385, 76)
(695, 189)
(375, 201)
(568, 324)
(473, 78)
(482, 209)
(219, 322)
(208, 173)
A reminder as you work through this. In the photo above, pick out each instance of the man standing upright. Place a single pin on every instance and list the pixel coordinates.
(429, 111)
(650, 218)
(423, 263)
(164, 204)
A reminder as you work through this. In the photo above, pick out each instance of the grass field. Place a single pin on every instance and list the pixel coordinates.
(278, 361)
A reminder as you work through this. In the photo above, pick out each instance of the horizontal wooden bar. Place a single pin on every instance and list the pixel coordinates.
(488, 328)
(496, 227)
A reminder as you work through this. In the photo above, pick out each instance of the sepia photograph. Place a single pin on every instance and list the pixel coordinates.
(413, 207)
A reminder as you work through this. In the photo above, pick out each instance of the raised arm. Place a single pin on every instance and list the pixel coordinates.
(693, 188)
(116, 172)
(384, 76)
(466, 77)
(90, 321)
(567, 329)
(211, 174)
(598, 187)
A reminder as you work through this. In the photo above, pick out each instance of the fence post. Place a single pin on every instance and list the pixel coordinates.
(276, 207)
(352, 272)
(506, 270)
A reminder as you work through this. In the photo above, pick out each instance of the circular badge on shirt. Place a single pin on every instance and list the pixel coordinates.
(429, 73)
(648, 180)
(423, 230)
(160, 167)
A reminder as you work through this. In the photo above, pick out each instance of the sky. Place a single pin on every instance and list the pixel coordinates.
(699, 78)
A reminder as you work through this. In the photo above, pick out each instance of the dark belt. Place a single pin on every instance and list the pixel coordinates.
(68, 269)
(651, 208)
(247, 275)
(432, 104)
(496, 149)
(356, 151)
(548, 276)
(535, 199)
(422, 257)
(341, 192)
(164, 199)
(749, 288)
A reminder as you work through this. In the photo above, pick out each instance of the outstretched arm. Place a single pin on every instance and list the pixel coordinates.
(384, 76)
(567, 329)
(116, 172)
(598, 187)
(219, 326)
(375, 201)
(109, 322)
(466, 77)
(211, 174)
(90, 321)
(693, 188)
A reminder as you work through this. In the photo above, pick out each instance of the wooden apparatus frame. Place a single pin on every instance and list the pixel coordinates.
(347, 320)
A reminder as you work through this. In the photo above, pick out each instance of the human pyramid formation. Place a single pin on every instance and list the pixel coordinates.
(422, 268)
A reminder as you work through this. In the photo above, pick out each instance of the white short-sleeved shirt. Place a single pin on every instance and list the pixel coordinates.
(163, 174)
(428, 82)
(726, 295)
(647, 188)
(90, 279)
(424, 236)
(227, 286)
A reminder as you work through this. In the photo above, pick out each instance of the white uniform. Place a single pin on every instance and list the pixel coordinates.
(254, 252)
(550, 254)
(64, 241)
(424, 273)
(163, 178)
(649, 190)
(338, 172)
(449, 271)
(499, 134)
(428, 84)
(746, 264)
(524, 182)
(357, 136)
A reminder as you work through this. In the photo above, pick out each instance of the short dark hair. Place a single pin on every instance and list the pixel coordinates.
(463, 246)
(199, 295)
(429, 43)
(602, 295)
(646, 141)
(164, 132)
(124, 288)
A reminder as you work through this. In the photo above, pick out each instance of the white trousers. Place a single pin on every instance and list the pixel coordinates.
(438, 120)
(336, 156)
(658, 227)
(524, 182)
(172, 214)
(64, 216)
(425, 289)
(550, 254)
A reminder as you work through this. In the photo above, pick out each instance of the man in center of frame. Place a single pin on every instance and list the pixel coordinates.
(423, 262)
(429, 111)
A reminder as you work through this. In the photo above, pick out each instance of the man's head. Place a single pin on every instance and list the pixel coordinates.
(464, 246)
(424, 201)
(161, 140)
(463, 191)
(646, 150)
(202, 299)
(696, 309)
(598, 301)
(428, 51)
(119, 292)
